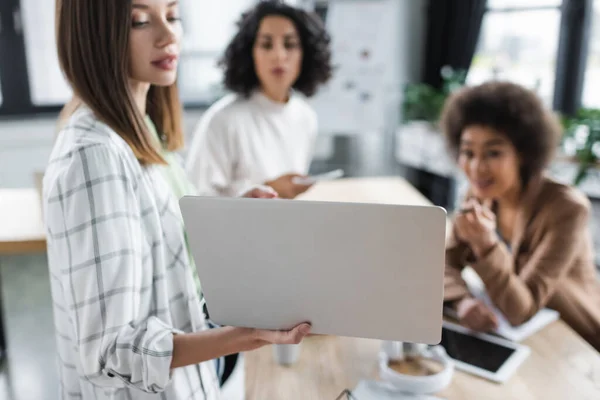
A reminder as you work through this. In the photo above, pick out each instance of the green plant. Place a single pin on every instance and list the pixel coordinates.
(423, 102)
(583, 131)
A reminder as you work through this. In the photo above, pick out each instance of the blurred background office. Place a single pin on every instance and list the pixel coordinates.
(396, 62)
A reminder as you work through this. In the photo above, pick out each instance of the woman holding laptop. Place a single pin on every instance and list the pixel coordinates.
(129, 322)
(524, 234)
(264, 133)
(177, 180)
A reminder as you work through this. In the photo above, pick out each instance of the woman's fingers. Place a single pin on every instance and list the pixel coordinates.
(293, 336)
(488, 213)
(478, 317)
(491, 319)
(486, 320)
(261, 192)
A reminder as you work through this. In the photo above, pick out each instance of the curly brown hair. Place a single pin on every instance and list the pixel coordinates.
(509, 109)
(240, 76)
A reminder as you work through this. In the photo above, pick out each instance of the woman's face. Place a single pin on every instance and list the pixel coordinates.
(490, 162)
(277, 55)
(154, 41)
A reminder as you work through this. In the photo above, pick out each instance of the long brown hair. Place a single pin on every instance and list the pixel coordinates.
(93, 49)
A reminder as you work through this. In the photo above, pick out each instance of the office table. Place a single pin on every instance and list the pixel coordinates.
(561, 365)
(21, 226)
(21, 231)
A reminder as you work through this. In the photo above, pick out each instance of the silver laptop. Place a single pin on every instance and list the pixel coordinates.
(350, 269)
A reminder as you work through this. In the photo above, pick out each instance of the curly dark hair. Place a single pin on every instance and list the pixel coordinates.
(509, 109)
(238, 63)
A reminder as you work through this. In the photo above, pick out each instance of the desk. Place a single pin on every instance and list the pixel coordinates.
(21, 231)
(21, 226)
(561, 364)
(383, 190)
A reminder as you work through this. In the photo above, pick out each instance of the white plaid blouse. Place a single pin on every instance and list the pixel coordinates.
(121, 283)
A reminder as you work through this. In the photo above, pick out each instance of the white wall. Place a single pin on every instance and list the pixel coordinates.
(411, 44)
(393, 32)
(25, 146)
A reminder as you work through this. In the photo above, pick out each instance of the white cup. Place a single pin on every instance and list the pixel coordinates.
(413, 350)
(398, 351)
(286, 354)
(393, 350)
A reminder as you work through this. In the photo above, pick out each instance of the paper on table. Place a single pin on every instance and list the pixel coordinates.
(375, 390)
(505, 329)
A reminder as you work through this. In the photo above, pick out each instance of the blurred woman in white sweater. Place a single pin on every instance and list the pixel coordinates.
(264, 132)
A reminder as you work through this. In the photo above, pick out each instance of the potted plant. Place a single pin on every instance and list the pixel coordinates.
(418, 142)
(581, 141)
(424, 103)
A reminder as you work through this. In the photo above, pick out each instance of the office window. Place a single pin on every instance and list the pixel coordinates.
(207, 30)
(46, 82)
(35, 82)
(591, 89)
(504, 4)
(519, 42)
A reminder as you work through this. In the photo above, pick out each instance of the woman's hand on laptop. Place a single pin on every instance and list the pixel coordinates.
(260, 192)
(475, 315)
(262, 337)
(197, 347)
(285, 186)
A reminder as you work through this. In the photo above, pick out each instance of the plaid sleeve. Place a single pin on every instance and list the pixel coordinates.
(94, 220)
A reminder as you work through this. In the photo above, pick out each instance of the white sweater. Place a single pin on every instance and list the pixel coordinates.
(241, 142)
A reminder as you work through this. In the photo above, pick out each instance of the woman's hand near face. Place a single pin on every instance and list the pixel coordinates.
(476, 225)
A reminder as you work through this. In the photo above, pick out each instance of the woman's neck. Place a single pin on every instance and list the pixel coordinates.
(278, 96)
(140, 95)
(512, 198)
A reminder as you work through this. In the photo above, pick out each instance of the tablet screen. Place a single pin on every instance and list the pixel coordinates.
(475, 351)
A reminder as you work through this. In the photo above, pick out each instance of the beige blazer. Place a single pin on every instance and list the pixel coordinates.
(550, 262)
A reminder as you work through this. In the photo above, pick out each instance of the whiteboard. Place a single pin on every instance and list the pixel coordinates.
(365, 86)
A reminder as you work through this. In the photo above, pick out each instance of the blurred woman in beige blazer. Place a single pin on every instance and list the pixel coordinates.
(525, 235)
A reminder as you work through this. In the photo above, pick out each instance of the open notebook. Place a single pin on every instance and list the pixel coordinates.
(515, 333)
